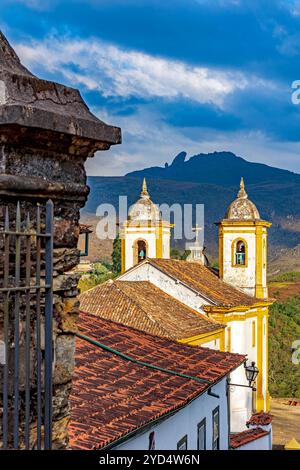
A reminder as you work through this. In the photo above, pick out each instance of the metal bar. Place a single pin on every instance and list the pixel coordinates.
(26, 234)
(38, 329)
(48, 327)
(27, 338)
(24, 288)
(242, 385)
(6, 334)
(17, 331)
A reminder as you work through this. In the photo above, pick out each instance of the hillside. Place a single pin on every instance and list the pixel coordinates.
(284, 323)
(276, 192)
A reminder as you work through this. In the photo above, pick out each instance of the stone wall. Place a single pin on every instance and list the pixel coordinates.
(46, 134)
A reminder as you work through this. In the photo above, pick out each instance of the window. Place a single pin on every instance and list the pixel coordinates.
(253, 334)
(151, 441)
(240, 253)
(201, 435)
(182, 444)
(216, 429)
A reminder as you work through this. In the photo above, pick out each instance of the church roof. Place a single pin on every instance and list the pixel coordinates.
(144, 209)
(242, 208)
(142, 305)
(113, 396)
(204, 281)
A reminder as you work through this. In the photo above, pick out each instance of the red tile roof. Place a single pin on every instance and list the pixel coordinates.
(144, 306)
(204, 281)
(241, 438)
(260, 419)
(112, 397)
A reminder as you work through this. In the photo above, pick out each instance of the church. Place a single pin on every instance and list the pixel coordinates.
(187, 301)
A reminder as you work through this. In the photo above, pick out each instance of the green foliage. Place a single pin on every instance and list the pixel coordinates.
(116, 255)
(292, 276)
(284, 326)
(178, 254)
(99, 275)
(214, 264)
(107, 263)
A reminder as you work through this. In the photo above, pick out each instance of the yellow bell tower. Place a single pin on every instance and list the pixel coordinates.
(144, 234)
(243, 264)
(243, 246)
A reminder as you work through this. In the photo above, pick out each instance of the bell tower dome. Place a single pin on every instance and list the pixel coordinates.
(144, 234)
(243, 246)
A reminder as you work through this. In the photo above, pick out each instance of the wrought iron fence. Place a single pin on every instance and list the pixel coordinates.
(26, 303)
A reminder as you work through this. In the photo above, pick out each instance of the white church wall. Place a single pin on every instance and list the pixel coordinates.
(214, 344)
(243, 277)
(166, 244)
(241, 397)
(147, 272)
(184, 422)
(129, 245)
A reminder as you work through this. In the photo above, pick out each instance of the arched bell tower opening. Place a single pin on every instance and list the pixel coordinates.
(140, 250)
(239, 251)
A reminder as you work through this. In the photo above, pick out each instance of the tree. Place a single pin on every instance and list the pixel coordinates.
(116, 254)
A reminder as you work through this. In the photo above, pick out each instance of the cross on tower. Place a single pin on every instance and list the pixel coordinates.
(197, 229)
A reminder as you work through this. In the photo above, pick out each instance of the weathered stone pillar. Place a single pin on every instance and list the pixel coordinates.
(46, 134)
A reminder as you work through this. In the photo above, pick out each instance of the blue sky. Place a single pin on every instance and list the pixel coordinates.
(193, 75)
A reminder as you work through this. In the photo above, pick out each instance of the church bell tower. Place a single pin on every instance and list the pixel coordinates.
(144, 234)
(243, 246)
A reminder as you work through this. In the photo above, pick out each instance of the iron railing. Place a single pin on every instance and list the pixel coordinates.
(26, 304)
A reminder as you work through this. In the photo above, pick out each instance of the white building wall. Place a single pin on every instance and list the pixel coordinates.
(166, 243)
(184, 422)
(131, 238)
(147, 272)
(242, 277)
(241, 397)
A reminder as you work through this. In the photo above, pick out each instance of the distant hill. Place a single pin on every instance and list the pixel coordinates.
(213, 180)
(221, 168)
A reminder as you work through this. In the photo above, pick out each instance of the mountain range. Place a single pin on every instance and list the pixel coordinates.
(213, 180)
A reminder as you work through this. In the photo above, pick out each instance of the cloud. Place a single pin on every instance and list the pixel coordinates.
(117, 72)
(149, 141)
(34, 4)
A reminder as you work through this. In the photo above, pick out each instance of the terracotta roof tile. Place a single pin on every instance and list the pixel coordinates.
(260, 419)
(244, 437)
(142, 305)
(204, 281)
(112, 397)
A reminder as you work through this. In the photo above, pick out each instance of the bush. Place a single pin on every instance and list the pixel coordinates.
(99, 275)
(292, 276)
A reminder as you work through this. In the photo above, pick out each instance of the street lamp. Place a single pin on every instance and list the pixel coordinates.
(251, 373)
